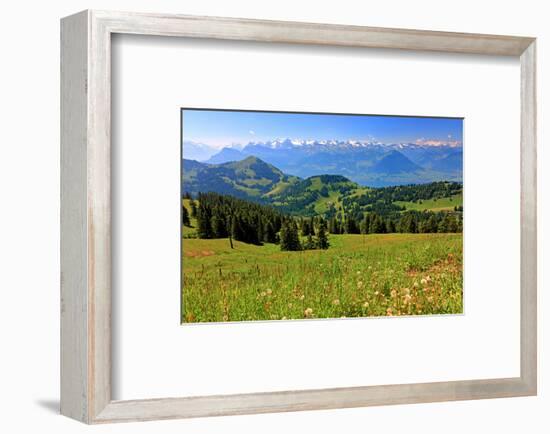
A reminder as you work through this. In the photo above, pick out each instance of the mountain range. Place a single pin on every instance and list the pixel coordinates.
(366, 163)
(253, 179)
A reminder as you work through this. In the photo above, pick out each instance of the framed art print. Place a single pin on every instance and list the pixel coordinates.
(263, 216)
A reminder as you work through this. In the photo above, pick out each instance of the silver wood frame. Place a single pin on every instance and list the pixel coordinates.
(86, 215)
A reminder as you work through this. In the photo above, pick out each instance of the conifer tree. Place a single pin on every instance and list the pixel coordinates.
(204, 226)
(289, 236)
(193, 206)
(185, 216)
(322, 239)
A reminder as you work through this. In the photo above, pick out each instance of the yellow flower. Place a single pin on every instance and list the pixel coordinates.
(423, 281)
(335, 302)
(308, 313)
(389, 311)
(415, 284)
(393, 293)
(366, 304)
(359, 285)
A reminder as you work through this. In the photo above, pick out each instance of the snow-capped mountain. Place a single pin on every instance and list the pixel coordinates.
(361, 161)
(197, 151)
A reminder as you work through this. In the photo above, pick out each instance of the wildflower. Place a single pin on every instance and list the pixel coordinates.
(406, 291)
(335, 302)
(262, 294)
(428, 278)
(308, 313)
(359, 284)
(366, 304)
(376, 292)
(358, 272)
(423, 281)
(283, 318)
(415, 284)
(302, 297)
(389, 311)
(393, 293)
(407, 299)
(290, 305)
(269, 292)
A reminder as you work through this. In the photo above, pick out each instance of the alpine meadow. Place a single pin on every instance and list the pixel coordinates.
(288, 216)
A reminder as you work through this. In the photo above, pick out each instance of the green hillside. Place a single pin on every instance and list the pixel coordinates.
(250, 178)
(326, 195)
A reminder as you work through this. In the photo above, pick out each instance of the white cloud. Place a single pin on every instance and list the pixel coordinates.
(252, 132)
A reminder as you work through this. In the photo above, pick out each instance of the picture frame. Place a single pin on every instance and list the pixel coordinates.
(86, 261)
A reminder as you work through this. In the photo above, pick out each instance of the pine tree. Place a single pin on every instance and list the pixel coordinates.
(309, 244)
(306, 228)
(322, 239)
(193, 206)
(289, 236)
(219, 229)
(204, 226)
(185, 216)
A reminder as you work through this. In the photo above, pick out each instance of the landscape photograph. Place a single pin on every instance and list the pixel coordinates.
(292, 216)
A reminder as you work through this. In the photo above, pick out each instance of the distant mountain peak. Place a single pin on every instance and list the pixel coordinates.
(395, 162)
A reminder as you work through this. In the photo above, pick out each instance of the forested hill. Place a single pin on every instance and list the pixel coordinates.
(325, 195)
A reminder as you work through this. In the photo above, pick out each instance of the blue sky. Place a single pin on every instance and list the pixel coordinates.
(223, 128)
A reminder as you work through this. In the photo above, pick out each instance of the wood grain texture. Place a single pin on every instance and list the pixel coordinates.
(74, 255)
(86, 216)
(311, 33)
(302, 400)
(529, 217)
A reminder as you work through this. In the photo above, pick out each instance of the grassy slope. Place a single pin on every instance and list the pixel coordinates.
(393, 274)
(434, 204)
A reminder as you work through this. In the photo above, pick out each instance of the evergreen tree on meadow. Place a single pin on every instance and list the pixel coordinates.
(305, 227)
(204, 226)
(309, 243)
(350, 226)
(193, 206)
(185, 216)
(289, 239)
(219, 226)
(322, 239)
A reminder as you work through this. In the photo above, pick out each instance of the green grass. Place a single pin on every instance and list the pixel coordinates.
(359, 275)
(443, 204)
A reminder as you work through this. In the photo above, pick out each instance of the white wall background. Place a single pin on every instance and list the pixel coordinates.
(29, 232)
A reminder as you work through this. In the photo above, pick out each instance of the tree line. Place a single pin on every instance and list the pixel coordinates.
(224, 216)
(407, 222)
